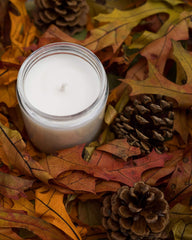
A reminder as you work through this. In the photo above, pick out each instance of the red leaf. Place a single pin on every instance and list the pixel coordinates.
(125, 172)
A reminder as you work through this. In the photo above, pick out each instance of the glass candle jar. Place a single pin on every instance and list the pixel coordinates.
(62, 91)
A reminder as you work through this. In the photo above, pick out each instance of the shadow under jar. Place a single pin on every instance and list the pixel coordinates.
(62, 91)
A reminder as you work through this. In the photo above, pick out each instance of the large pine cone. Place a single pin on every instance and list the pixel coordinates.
(69, 15)
(136, 213)
(146, 122)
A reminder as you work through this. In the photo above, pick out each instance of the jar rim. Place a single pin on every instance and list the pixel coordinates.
(61, 48)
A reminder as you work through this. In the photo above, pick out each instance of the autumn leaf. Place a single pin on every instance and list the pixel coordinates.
(50, 207)
(18, 219)
(120, 23)
(124, 172)
(76, 181)
(180, 221)
(12, 186)
(180, 182)
(14, 146)
(120, 148)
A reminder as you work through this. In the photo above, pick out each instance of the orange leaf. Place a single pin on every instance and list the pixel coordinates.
(13, 146)
(23, 31)
(18, 219)
(50, 207)
(77, 181)
(8, 94)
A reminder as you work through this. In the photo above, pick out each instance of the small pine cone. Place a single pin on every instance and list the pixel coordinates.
(146, 122)
(69, 15)
(136, 213)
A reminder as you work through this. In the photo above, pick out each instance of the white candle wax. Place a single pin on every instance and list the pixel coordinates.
(62, 91)
(62, 85)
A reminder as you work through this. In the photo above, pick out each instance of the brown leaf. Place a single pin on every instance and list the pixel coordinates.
(12, 186)
(68, 160)
(89, 212)
(13, 146)
(107, 186)
(54, 34)
(180, 182)
(120, 148)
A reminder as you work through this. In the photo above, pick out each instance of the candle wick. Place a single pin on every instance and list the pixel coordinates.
(63, 86)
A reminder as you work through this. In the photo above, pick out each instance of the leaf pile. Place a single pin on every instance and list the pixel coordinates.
(145, 47)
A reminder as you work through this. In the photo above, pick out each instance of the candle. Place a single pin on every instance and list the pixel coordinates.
(62, 91)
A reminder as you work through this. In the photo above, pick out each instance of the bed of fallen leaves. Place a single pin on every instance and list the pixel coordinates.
(145, 47)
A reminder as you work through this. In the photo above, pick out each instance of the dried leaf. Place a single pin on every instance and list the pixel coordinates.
(50, 207)
(77, 181)
(54, 34)
(120, 148)
(8, 95)
(124, 172)
(180, 182)
(12, 186)
(8, 234)
(180, 219)
(13, 146)
(18, 219)
(68, 160)
(120, 23)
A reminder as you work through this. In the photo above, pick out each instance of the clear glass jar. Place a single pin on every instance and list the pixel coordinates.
(48, 132)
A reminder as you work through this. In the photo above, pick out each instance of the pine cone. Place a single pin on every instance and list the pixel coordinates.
(136, 213)
(146, 122)
(69, 15)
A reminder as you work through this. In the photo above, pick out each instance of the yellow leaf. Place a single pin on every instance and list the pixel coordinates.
(120, 23)
(23, 30)
(181, 230)
(50, 207)
(8, 94)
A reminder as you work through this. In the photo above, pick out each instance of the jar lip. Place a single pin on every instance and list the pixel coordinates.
(62, 48)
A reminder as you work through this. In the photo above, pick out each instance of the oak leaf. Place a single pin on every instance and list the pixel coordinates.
(13, 146)
(180, 221)
(19, 219)
(126, 173)
(50, 207)
(77, 181)
(120, 148)
(12, 186)
(180, 182)
(120, 23)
